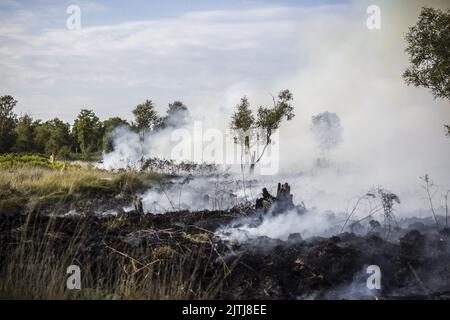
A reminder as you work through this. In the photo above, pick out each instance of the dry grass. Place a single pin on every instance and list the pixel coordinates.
(37, 258)
(34, 256)
(29, 188)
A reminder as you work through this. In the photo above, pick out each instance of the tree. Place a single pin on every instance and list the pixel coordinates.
(88, 131)
(53, 136)
(24, 131)
(242, 121)
(267, 121)
(109, 125)
(145, 118)
(428, 46)
(177, 114)
(326, 128)
(114, 122)
(8, 122)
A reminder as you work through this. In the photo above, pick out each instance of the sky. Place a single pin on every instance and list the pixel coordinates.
(209, 54)
(205, 53)
(126, 52)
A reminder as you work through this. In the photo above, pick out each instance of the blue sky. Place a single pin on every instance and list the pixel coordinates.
(120, 11)
(116, 11)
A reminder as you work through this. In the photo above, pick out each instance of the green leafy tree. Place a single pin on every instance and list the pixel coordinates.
(8, 121)
(145, 118)
(24, 131)
(109, 126)
(268, 120)
(428, 46)
(88, 132)
(242, 121)
(177, 114)
(53, 136)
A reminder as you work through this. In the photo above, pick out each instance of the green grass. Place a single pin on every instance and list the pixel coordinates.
(30, 188)
(27, 160)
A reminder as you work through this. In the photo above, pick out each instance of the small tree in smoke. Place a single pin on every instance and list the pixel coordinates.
(109, 126)
(385, 201)
(431, 190)
(388, 199)
(267, 121)
(242, 121)
(327, 130)
(146, 118)
(269, 118)
(177, 114)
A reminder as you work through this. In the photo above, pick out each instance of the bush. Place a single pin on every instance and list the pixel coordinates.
(27, 160)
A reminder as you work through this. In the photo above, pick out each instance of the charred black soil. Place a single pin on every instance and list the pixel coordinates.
(182, 250)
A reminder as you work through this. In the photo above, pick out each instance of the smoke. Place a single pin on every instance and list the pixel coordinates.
(326, 128)
(199, 193)
(392, 134)
(280, 226)
(127, 150)
(130, 150)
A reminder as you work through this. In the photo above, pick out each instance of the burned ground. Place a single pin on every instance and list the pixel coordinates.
(414, 264)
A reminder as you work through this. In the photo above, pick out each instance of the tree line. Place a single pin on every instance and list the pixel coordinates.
(86, 138)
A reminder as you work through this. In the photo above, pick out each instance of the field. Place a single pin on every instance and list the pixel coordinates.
(53, 218)
(31, 184)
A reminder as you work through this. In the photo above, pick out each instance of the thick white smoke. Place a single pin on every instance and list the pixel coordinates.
(280, 226)
(392, 134)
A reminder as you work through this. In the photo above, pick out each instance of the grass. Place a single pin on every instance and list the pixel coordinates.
(30, 187)
(36, 250)
(27, 160)
(37, 255)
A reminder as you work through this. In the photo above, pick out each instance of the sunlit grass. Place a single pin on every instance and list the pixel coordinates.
(28, 187)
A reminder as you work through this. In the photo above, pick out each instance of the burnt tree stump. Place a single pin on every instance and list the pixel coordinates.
(282, 202)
